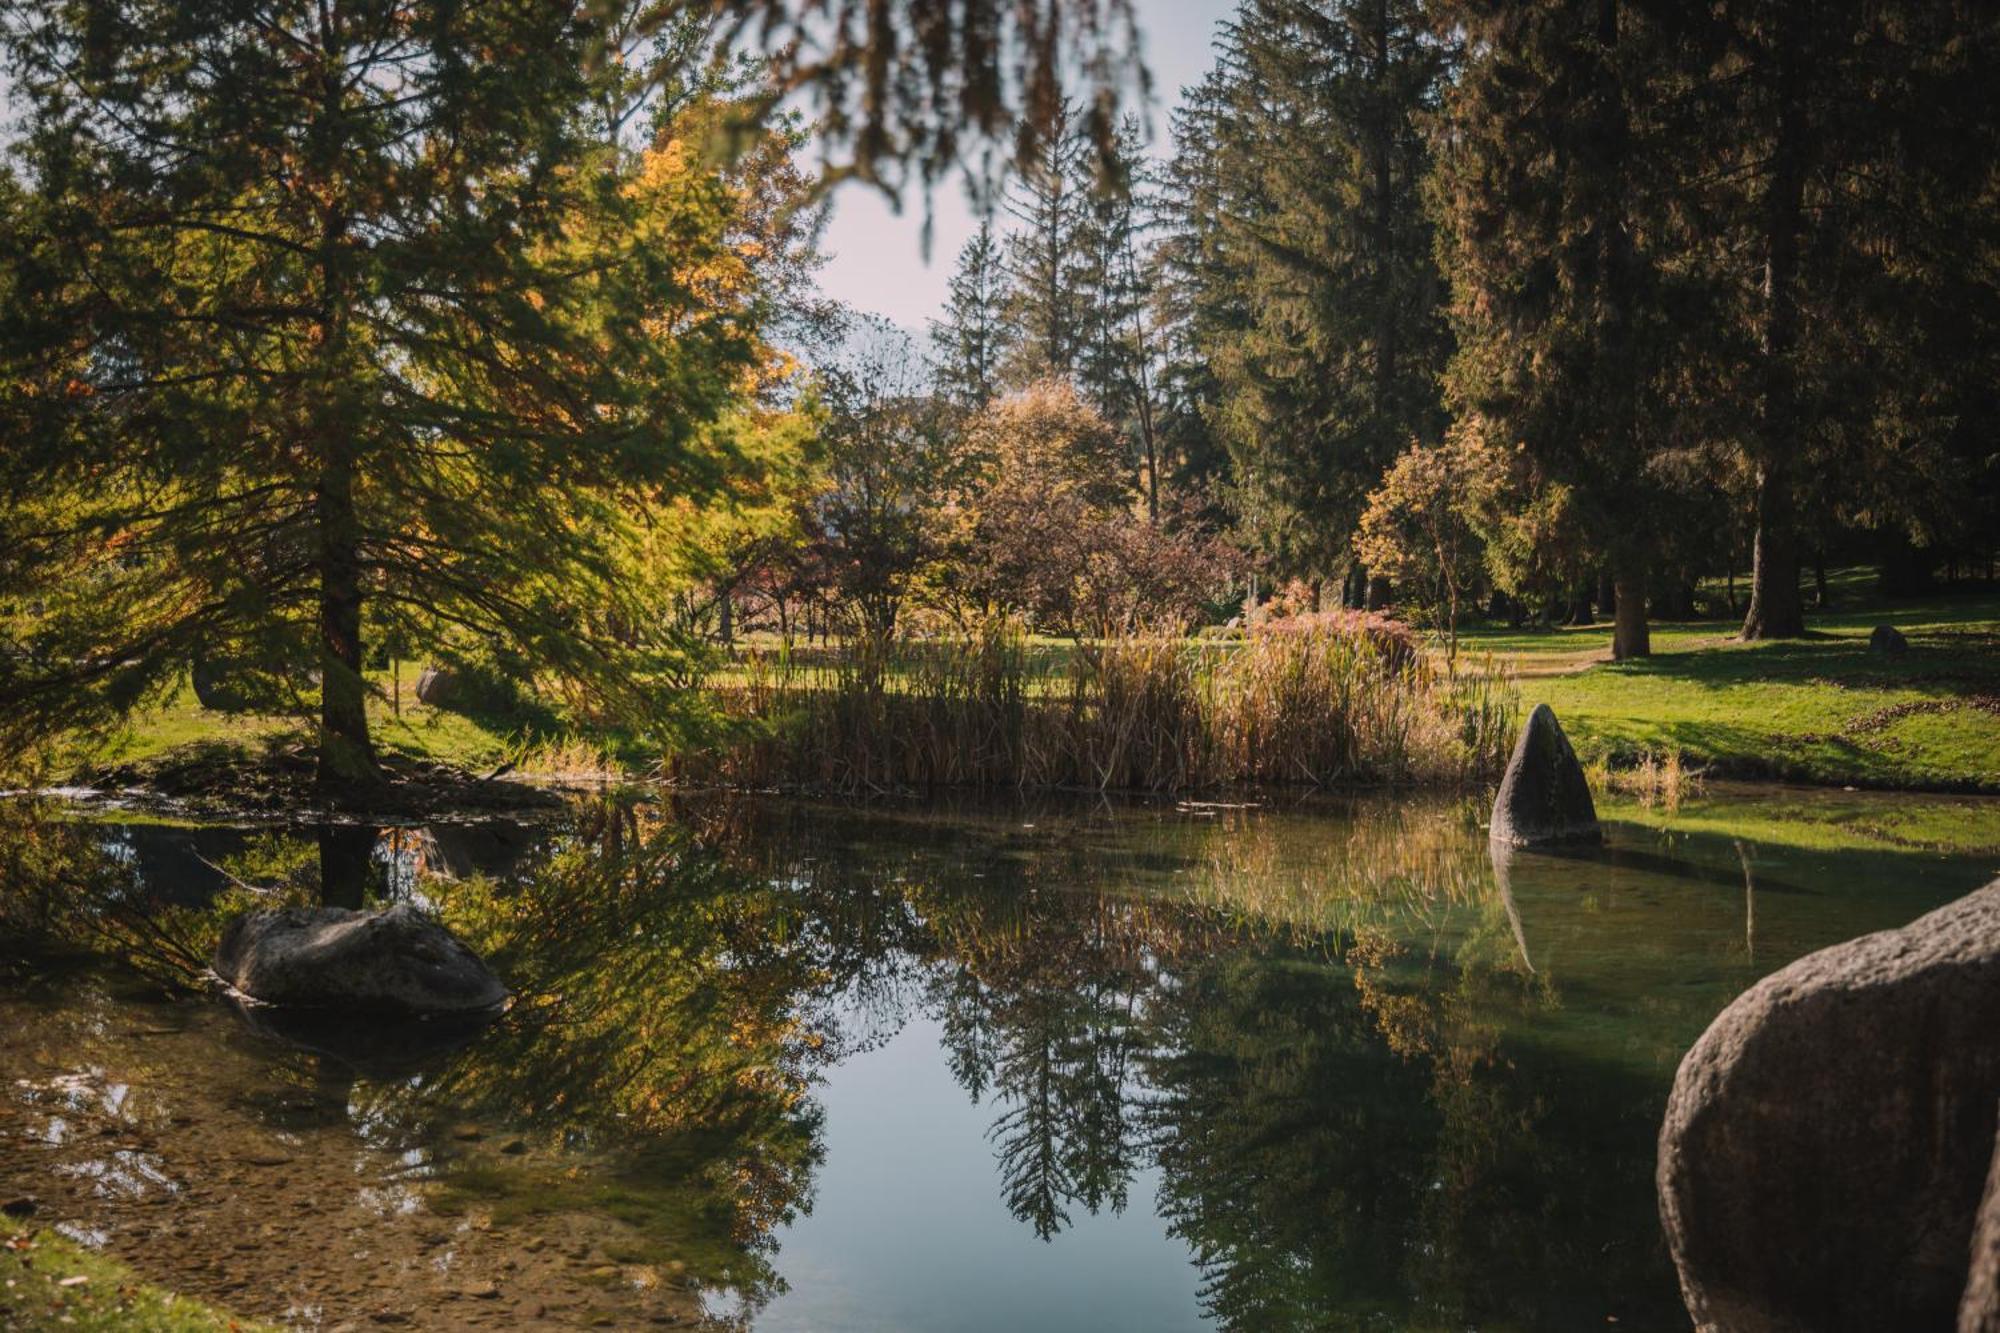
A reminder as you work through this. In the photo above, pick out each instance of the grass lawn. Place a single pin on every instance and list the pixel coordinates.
(50, 1282)
(400, 724)
(1822, 709)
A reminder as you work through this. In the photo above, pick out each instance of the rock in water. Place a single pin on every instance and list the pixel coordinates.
(1544, 797)
(1828, 1138)
(393, 961)
(1888, 639)
(437, 686)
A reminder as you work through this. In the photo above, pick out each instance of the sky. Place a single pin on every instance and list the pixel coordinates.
(878, 262)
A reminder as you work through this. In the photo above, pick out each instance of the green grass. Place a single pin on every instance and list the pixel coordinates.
(40, 1289)
(1821, 709)
(1826, 821)
(415, 729)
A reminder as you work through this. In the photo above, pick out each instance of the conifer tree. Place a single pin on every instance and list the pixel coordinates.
(1116, 362)
(1553, 189)
(1046, 300)
(1327, 358)
(970, 345)
(344, 312)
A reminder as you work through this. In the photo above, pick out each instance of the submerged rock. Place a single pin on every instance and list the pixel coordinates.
(395, 961)
(1544, 797)
(1828, 1138)
(1888, 639)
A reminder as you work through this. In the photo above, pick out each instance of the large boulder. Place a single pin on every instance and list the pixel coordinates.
(1827, 1139)
(1979, 1307)
(1888, 640)
(395, 961)
(1544, 797)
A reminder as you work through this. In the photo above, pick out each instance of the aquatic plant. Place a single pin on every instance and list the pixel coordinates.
(1335, 701)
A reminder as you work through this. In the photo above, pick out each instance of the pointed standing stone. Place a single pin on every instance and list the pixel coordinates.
(1544, 797)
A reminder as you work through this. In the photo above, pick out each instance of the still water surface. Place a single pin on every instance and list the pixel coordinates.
(791, 1066)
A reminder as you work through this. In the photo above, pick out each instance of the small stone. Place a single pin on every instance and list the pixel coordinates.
(1888, 640)
(468, 1133)
(23, 1206)
(513, 1147)
(482, 1291)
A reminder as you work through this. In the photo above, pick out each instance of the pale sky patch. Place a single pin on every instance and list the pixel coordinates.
(878, 262)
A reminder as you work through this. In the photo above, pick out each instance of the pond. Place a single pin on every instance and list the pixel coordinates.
(782, 1065)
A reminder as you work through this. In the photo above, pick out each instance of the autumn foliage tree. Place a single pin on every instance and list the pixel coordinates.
(1055, 533)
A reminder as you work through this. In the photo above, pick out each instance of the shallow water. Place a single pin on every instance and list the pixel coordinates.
(790, 1066)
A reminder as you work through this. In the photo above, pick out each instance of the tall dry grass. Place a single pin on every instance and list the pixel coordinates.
(1331, 704)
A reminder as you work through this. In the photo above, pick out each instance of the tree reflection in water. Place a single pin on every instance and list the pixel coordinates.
(1311, 1044)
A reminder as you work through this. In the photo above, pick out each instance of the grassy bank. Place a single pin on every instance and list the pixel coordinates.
(50, 1282)
(1149, 714)
(1823, 709)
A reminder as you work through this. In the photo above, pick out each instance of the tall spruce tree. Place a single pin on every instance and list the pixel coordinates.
(342, 310)
(1046, 305)
(1553, 187)
(1313, 154)
(1117, 368)
(970, 345)
(1853, 141)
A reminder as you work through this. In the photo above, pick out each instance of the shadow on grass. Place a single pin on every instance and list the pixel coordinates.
(1940, 666)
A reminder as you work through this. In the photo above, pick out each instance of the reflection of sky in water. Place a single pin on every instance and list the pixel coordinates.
(909, 1230)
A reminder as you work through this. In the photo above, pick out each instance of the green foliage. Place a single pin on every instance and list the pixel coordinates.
(1416, 529)
(357, 310)
(973, 342)
(1313, 292)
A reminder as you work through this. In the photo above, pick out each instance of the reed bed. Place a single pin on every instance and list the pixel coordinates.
(1662, 780)
(1331, 704)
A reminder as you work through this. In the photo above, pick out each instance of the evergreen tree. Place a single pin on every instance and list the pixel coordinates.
(1326, 336)
(1046, 299)
(1116, 363)
(1850, 147)
(1553, 189)
(971, 343)
(344, 312)
(1195, 307)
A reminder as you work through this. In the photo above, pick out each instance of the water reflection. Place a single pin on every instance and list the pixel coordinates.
(1314, 1048)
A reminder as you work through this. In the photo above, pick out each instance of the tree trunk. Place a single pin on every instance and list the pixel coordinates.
(1579, 608)
(346, 754)
(1607, 591)
(1630, 637)
(1821, 598)
(1379, 591)
(1776, 611)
